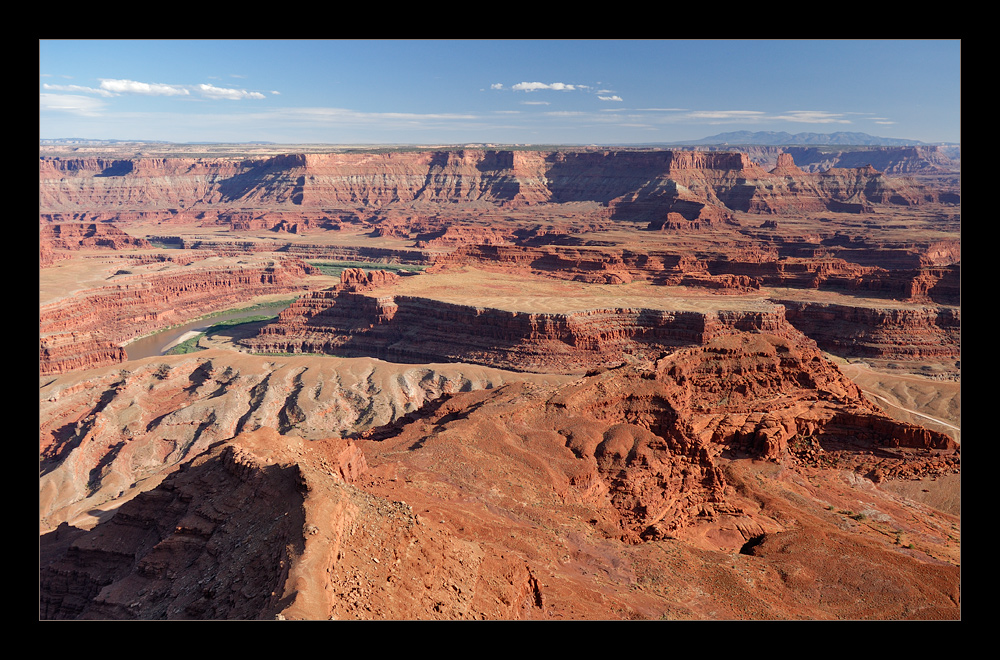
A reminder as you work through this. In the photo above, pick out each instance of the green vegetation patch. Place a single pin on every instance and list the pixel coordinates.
(251, 308)
(191, 345)
(162, 244)
(186, 346)
(225, 325)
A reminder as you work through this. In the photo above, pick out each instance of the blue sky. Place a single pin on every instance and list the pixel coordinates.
(472, 91)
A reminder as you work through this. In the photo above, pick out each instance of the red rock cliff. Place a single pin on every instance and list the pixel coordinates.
(412, 329)
(74, 236)
(932, 333)
(634, 185)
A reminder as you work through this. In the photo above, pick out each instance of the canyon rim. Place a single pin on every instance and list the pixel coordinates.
(505, 384)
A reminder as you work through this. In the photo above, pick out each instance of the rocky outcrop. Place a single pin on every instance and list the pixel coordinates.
(77, 236)
(909, 160)
(589, 264)
(80, 214)
(749, 392)
(938, 285)
(785, 166)
(185, 545)
(70, 351)
(358, 279)
(49, 257)
(890, 160)
(925, 333)
(454, 235)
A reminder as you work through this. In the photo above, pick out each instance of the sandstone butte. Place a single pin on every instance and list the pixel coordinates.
(560, 385)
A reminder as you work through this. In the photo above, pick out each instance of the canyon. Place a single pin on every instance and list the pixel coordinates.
(510, 384)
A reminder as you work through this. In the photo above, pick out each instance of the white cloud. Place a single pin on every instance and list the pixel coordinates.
(213, 92)
(133, 87)
(610, 98)
(748, 116)
(726, 114)
(345, 115)
(535, 103)
(496, 86)
(78, 88)
(114, 87)
(72, 103)
(535, 86)
(814, 117)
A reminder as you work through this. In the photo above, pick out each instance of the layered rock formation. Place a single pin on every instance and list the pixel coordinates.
(929, 333)
(55, 239)
(908, 274)
(145, 184)
(70, 351)
(657, 187)
(341, 320)
(89, 328)
(930, 284)
(75, 236)
(351, 320)
(909, 160)
(891, 160)
(646, 443)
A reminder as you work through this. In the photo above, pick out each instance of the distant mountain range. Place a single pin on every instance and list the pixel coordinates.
(777, 138)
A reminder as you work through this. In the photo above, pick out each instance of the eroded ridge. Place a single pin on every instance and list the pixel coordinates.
(498, 503)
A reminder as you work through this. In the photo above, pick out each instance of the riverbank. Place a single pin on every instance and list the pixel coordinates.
(160, 342)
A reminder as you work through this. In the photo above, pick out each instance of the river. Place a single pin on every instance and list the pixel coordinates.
(156, 344)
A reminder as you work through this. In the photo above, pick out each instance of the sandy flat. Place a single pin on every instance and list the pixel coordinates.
(183, 338)
(525, 292)
(934, 404)
(835, 297)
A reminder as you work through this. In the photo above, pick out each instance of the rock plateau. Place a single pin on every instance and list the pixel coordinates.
(513, 384)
